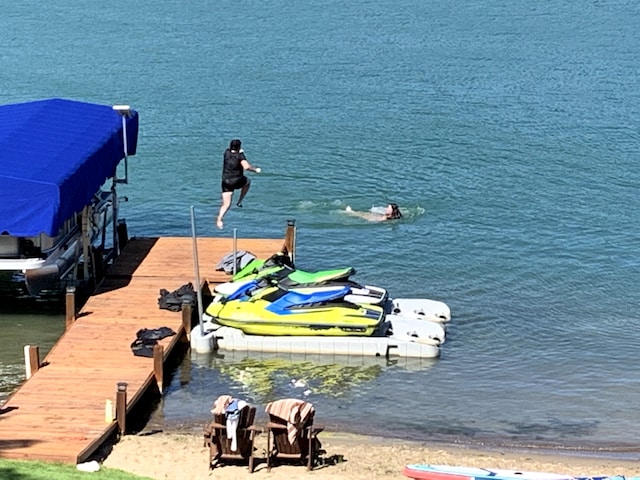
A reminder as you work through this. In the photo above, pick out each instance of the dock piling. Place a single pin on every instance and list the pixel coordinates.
(187, 316)
(70, 307)
(123, 235)
(158, 365)
(290, 240)
(31, 360)
(121, 407)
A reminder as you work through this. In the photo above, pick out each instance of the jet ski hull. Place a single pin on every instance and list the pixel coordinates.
(253, 317)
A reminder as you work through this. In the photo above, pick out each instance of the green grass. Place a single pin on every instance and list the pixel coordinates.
(27, 470)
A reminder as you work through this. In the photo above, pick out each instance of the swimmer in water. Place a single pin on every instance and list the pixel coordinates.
(391, 212)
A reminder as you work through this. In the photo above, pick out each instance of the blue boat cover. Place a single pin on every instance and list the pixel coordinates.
(54, 156)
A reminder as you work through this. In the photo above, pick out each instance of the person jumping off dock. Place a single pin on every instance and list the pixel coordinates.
(234, 165)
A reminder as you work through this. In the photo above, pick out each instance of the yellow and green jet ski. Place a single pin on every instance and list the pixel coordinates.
(280, 269)
(280, 312)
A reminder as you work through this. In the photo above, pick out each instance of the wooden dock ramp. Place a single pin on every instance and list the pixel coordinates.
(60, 413)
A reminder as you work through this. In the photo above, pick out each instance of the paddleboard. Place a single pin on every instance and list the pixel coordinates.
(443, 472)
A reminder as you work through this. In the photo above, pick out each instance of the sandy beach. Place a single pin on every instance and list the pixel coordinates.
(181, 456)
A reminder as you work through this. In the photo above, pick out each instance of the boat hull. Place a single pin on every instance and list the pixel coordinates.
(41, 267)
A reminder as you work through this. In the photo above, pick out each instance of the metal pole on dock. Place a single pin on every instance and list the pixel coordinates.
(125, 112)
(200, 341)
(235, 251)
(196, 269)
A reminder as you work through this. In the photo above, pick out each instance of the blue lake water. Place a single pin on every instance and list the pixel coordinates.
(506, 131)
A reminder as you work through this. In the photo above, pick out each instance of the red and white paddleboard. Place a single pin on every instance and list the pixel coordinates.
(444, 472)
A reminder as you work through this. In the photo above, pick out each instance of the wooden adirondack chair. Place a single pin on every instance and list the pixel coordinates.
(291, 432)
(219, 440)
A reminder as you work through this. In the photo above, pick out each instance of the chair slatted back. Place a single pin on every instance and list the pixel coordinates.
(243, 435)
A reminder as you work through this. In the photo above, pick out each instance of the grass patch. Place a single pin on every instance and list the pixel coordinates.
(29, 470)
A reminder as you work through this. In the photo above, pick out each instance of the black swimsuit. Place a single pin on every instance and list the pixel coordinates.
(232, 171)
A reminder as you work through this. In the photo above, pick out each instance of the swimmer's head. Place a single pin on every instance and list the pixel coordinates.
(392, 211)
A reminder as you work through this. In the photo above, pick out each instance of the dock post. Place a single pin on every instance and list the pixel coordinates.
(235, 251)
(31, 360)
(123, 235)
(158, 364)
(187, 315)
(121, 407)
(290, 240)
(70, 307)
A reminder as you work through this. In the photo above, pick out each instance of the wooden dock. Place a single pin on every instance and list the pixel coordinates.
(60, 413)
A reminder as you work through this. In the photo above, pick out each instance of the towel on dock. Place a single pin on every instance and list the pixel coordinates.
(292, 410)
(173, 300)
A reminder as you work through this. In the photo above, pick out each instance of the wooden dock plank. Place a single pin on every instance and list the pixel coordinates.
(59, 413)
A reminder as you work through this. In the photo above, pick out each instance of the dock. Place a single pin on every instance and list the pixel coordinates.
(80, 394)
(232, 339)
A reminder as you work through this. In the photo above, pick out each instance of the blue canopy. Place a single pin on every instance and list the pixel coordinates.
(54, 155)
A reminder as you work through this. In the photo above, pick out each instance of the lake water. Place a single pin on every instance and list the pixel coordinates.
(506, 131)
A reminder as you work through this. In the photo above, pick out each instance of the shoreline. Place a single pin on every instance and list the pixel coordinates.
(173, 455)
(486, 444)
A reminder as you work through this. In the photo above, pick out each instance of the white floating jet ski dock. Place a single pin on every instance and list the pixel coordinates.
(216, 337)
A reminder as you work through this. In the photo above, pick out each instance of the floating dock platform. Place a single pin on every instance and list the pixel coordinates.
(232, 339)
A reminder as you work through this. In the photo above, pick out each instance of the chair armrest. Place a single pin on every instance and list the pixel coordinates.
(256, 429)
(217, 425)
(314, 429)
(275, 426)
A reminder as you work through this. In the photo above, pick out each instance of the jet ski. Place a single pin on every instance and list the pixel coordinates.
(330, 301)
(356, 293)
(282, 313)
(259, 265)
(279, 268)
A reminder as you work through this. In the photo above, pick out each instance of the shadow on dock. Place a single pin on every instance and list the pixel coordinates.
(119, 275)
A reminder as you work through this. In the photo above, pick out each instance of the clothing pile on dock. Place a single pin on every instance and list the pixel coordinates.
(146, 339)
(174, 300)
(234, 262)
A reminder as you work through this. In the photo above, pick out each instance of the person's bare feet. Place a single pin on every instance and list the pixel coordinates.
(219, 223)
